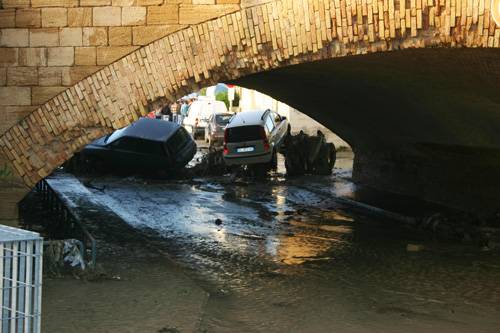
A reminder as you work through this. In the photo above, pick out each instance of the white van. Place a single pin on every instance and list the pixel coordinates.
(198, 113)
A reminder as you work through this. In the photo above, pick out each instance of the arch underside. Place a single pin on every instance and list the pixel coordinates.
(390, 79)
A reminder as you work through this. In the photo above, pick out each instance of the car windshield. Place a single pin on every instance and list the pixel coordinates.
(222, 118)
(243, 133)
(115, 135)
(177, 142)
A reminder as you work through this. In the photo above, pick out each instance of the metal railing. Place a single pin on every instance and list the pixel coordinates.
(66, 221)
(21, 260)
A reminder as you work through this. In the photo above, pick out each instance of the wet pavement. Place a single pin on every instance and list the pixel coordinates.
(290, 255)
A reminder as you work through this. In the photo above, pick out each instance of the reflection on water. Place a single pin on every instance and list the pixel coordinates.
(287, 257)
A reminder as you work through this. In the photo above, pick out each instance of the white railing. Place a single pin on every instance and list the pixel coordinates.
(21, 256)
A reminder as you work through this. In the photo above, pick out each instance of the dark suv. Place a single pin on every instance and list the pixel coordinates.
(148, 145)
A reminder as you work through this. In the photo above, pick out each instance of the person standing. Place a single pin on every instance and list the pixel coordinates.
(165, 111)
(175, 112)
(184, 109)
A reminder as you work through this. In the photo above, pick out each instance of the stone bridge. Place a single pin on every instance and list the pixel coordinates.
(411, 85)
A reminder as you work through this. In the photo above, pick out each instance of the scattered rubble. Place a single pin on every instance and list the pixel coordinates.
(414, 247)
(468, 228)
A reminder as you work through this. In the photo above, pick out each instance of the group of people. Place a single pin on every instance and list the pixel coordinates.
(174, 112)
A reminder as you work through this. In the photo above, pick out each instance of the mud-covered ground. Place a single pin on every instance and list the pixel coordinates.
(233, 254)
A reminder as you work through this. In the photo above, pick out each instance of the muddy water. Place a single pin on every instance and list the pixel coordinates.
(276, 256)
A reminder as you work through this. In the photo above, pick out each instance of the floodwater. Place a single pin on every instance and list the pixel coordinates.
(281, 255)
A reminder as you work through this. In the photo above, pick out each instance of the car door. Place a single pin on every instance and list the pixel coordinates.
(281, 128)
(271, 130)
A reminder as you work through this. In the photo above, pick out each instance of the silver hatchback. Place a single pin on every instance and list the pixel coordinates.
(255, 137)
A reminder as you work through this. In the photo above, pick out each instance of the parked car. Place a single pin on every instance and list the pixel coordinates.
(216, 124)
(255, 137)
(198, 113)
(148, 145)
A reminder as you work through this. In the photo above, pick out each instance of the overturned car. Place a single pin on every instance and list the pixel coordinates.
(309, 154)
(146, 146)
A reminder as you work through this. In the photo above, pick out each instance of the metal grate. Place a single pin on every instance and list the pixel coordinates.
(21, 255)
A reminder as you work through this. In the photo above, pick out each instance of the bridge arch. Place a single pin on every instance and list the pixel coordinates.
(254, 40)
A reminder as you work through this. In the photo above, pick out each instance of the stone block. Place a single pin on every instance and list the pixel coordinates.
(92, 3)
(148, 34)
(229, 2)
(33, 56)
(95, 37)
(42, 95)
(15, 113)
(107, 16)
(14, 38)
(49, 76)
(72, 75)
(133, 16)
(28, 18)
(22, 76)
(161, 15)
(8, 56)
(120, 36)
(15, 3)
(55, 3)
(203, 2)
(54, 17)
(71, 37)
(44, 37)
(108, 55)
(60, 56)
(7, 18)
(3, 76)
(85, 56)
(193, 14)
(15, 96)
(80, 17)
(123, 3)
(148, 2)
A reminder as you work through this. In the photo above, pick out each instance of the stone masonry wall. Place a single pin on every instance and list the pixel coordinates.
(451, 181)
(47, 46)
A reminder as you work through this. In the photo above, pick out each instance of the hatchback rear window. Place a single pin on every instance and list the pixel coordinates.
(178, 141)
(243, 133)
(223, 119)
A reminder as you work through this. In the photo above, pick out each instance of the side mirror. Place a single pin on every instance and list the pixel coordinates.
(283, 118)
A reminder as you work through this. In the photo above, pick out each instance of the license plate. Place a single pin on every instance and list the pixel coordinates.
(245, 149)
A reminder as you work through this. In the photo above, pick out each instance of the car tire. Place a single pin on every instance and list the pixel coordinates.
(163, 173)
(273, 163)
(324, 162)
(332, 155)
(96, 165)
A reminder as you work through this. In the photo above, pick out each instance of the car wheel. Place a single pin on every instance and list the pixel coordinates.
(163, 173)
(295, 163)
(332, 155)
(96, 165)
(323, 164)
(273, 163)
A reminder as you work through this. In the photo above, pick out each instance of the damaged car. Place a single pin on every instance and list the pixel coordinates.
(146, 146)
(255, 137)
